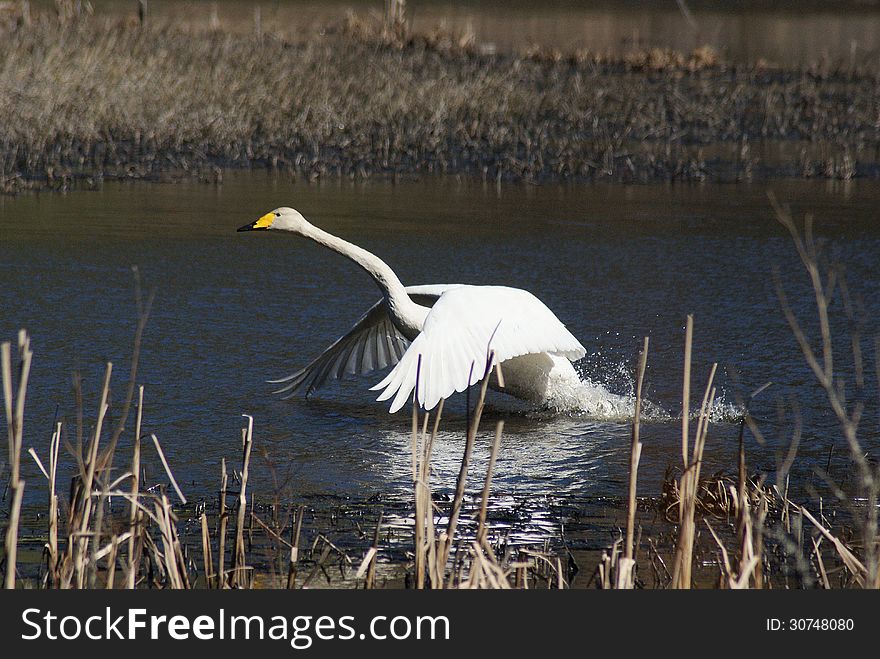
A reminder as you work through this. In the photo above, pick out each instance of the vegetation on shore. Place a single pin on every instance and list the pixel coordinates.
(87, 97)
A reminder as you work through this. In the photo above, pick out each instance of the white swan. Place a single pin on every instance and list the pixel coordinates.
(441, 334)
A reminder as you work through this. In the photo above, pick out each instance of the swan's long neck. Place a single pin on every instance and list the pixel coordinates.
(406, 315)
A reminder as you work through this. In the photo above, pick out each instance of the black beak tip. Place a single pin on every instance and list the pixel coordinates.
(246, 227)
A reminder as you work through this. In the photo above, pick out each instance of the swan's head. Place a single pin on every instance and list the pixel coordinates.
(284, 219)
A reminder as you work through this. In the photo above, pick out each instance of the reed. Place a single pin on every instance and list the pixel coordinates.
(692, 461)
(207, 559)
(626, 565)
(454, 555)
(239, 565)
(293, 561)
(134, 516)
(52, 567)
(223, 521)
(15, 434)
(447, 558)
(829, 283)
(370, 98)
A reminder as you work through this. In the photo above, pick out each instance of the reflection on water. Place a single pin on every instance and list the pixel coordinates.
(615, 263)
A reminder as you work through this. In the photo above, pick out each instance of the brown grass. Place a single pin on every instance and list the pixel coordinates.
(84, 97)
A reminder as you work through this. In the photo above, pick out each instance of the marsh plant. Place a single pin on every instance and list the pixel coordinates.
(87, 96)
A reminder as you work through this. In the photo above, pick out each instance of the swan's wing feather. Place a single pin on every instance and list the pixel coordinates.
(460, 330)
(372, 343)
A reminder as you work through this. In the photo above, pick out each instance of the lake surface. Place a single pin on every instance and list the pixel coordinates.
(232, 310)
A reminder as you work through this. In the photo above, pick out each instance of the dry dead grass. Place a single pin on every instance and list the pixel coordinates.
(83, 96)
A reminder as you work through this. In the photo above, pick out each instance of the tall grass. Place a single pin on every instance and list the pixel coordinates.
(90, 546)
(86, 96)
(143, 546)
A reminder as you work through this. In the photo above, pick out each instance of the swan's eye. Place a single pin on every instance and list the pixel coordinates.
(277, 214)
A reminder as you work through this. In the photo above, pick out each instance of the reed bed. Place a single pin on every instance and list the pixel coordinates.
(762, 538)
(749, 534)
(86, 97)
(146, 544)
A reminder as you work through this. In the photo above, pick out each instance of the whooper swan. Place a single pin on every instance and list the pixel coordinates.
(452, 327)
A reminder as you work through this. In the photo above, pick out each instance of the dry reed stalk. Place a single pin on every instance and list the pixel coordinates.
(684, 501)
(134, 515)
(751, 548)
(759, 542)
(294, 548)
(625, 564)
(726, 571)
(415, 420)
(96, 536)
(88, 479)
(12, 534)
(15, 432)
(690, 478)
(222, 520)
(686, 388)
(826, 285)
(54, 446)
(635, 454)
(143, 315)
(752, 538)
(420, 539)
(240, 557)
(168, 472)
(443, 556)
(853, 564)
(207, 559)
(169, 554)
(436, 569)
(319, 564)
(251, 518)
(371, 570)
(427, 544)
(365, 565)
(111, 563)
(820, 563)
(608, 566)
(484, 499)
(749, 534)
(485, 571)
(743, 521)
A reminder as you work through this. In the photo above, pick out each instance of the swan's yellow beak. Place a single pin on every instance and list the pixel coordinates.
(263, 223)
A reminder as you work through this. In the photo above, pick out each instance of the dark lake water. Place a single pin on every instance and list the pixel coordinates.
(232, 310)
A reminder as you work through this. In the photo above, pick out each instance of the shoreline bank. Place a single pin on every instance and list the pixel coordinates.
(89, 98)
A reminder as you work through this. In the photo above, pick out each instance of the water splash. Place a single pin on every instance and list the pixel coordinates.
(723, 411)
(609, 395)
(606, 395)
(590, 400)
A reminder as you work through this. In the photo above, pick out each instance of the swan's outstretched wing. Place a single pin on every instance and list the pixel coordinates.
(373, 343)
(462, 327)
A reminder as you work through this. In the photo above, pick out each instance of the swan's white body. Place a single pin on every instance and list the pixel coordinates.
(440, 338)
